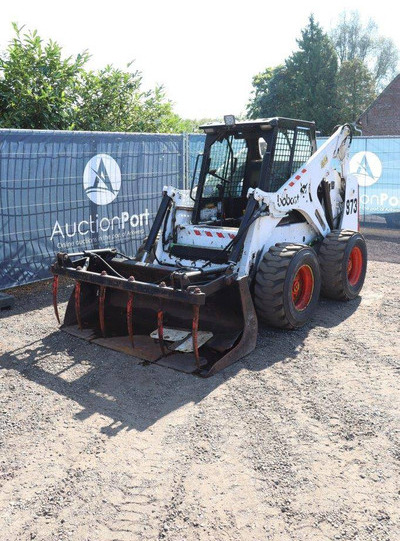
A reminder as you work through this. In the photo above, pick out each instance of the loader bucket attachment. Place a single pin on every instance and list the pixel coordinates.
(159, 314)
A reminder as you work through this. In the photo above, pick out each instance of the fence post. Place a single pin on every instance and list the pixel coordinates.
(186, 161)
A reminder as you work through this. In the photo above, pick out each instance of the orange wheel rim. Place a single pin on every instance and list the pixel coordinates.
(354, 266)
(303, 287)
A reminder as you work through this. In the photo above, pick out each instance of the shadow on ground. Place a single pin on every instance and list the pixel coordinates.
(134, 395)
(35, 296)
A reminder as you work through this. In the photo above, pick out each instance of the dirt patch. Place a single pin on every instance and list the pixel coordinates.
(298, 441)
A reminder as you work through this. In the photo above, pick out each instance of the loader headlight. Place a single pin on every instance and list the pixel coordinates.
(229, 120)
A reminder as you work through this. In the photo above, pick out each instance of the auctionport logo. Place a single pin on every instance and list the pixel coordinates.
(102, 179)
(101, 182)
(367, 168)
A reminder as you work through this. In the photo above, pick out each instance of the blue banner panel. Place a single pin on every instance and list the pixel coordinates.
(67, 191)
(376, 163)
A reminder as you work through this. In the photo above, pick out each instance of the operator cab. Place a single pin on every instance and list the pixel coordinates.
(237, 156)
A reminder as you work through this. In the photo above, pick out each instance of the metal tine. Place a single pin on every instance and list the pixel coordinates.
(78, 304)
(78, 294)
(195, 329)
(55, 291)
(160, 325)
(129, 313)
(102, 296)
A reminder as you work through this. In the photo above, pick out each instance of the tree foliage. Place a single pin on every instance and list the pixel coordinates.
(39, 89)
(353, 39)
(112, 99)
(313, 69)
(271, 94)
(355, 90)
(329, 79)
(37, 86)
(305, 86)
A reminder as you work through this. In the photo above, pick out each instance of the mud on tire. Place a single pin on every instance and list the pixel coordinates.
(343, 261)
(287, 285)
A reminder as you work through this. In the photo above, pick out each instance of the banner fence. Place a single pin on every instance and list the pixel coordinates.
(376, 163)
(64, 191)
(69, 191)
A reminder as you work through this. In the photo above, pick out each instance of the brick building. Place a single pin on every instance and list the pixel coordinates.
(382, 117)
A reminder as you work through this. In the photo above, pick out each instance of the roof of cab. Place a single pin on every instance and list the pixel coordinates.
(260, 123)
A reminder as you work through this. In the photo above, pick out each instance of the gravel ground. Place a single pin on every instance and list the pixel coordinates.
(298, 441)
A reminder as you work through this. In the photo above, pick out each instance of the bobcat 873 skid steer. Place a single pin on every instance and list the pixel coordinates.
(268, 224)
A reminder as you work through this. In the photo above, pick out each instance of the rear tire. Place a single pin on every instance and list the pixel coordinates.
(343, 260)
(287, 286)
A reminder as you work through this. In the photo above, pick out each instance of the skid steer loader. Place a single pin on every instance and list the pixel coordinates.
(268, 223)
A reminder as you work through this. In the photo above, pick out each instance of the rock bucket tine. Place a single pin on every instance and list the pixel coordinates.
(160, 328)
(102, 297)
(195, 329)
(160, 325)
(78, 304)
(55, 291)
(129, 313)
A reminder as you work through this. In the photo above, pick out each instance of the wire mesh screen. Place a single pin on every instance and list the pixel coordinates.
(376, 163)
(280, 170)
(219, 163)
(302, 150)
(63, 191)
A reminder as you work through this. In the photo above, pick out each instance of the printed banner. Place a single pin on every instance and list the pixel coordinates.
(375, 161)
(67, 191)
(62, 191)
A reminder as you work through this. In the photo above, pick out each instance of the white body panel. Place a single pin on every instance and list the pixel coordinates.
(210, 237)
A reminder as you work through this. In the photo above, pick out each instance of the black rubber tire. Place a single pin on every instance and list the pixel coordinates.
(334, 256)
(274, 282)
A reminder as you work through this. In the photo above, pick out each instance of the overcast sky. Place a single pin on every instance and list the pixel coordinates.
(205, 53)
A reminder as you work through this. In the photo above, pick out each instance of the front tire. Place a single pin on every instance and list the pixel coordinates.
(343, 260)
(287, 286)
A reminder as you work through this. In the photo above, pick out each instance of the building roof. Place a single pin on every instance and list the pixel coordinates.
(382, 97)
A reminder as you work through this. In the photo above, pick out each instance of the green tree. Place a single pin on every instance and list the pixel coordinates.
(353, 39)
(355, 90)
(37, 86)
(113, 100)
(272, 94)
(305, 86)
(313, 69)
(39, 89)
